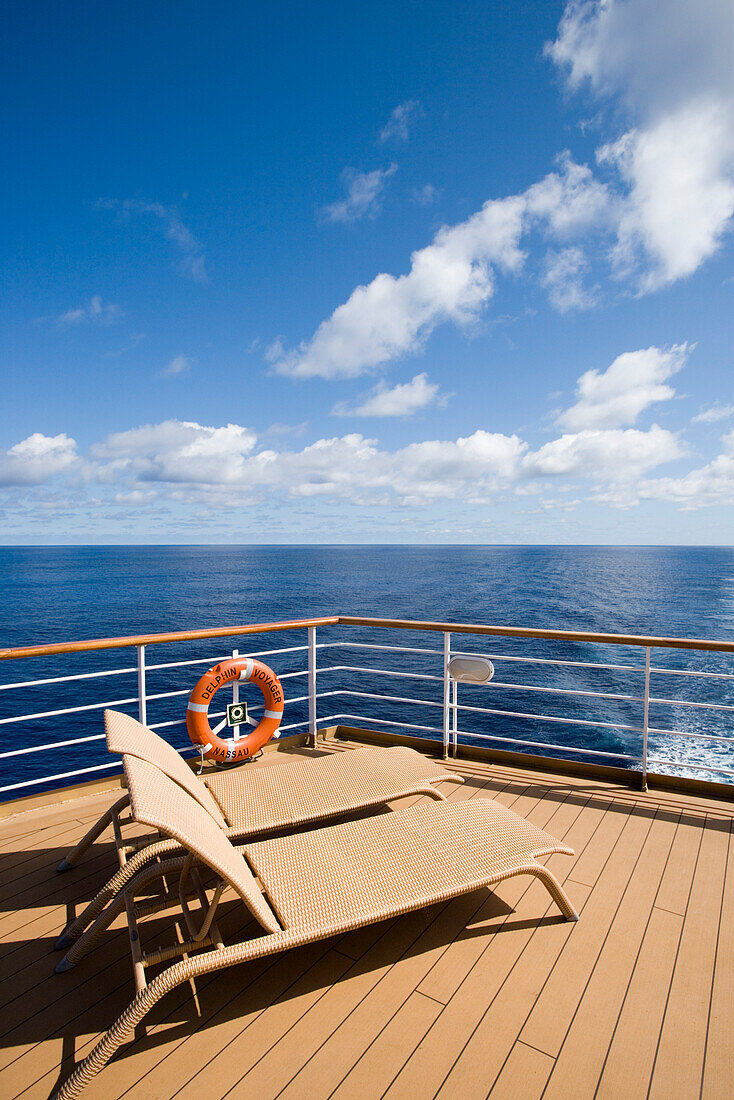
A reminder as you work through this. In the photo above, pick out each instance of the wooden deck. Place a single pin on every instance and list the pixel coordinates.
(490, 994)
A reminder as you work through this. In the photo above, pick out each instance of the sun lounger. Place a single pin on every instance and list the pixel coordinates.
(304, 887)
(247, 801)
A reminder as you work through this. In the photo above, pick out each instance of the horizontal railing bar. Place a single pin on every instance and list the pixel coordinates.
(161, 695)
(68, 679)
(149, 668)
(67, 710)
(59, 775)
(490, 710)
(226, 657)
(533, 632)
(381, 671)
(386, 698)
(53, 745)
(685, 703)
(185, 664)
(564, 691)
(697, 736)
(692, 672)
(694, 767)
(395, 648)
(381, 722)
(158, 639)
(551, 745)
(550, 718)
(489, 737)
(547, 661)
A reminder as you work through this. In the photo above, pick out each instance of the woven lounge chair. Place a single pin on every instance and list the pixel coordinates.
(247, 802)
(307, 886)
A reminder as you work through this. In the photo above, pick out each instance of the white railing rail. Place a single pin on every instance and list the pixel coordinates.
(448, 702)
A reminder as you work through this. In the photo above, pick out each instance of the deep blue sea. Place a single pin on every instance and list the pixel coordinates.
(68, 593)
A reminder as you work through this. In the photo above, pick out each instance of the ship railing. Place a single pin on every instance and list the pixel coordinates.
(448, 726)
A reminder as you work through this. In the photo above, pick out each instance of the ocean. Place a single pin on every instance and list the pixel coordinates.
(52, 594)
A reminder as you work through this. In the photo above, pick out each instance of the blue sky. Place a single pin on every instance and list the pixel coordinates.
(386, 273)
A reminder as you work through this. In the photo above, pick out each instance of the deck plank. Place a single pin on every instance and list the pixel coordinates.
(552, 1013)
(719, 1068)
(584, 1049)
(448, 973)
(334, 1061)
(628, 1066)
(524, 1074)
(679, 1064)
(384, 1057)
(288, 1049)
(478, 967)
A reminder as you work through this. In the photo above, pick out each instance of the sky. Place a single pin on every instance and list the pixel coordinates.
(390, 273)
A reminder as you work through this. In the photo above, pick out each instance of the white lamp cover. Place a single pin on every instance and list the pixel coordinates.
(471, 670)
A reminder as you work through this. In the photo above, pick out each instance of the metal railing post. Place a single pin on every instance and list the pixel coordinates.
(446, 692)
(235, 695)
(645, 718)
(312, 684)
(455, 715)
(142, 711)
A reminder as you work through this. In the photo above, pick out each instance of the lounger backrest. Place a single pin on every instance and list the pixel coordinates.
(125, 735)
(157, 801)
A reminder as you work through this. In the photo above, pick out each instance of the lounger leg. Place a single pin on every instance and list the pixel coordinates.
(555, 890)
(433, 793)
(105, 820)
(85, 943)
(175, 975)
(117, 883)
(116, 1035)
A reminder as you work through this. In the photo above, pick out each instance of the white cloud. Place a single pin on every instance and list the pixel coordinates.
(681, 200)
(612, 455)
(615, 397)
(213, 467)
(700, 488)
(570, 200)
(397, 127)
(192, 262)
(95, 311)
(36, 459)
(136, 497)
(364, 191)
(563, 278)
(177, 451)
(178, 365)
(401, 400)
(635, 49)
(425, 195)
(671, 67)
(472, 468)
(713, 413)
(451, 279)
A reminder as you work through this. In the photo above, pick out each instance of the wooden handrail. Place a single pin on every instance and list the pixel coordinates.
(531, 632)
(352, 620)
(156, 639)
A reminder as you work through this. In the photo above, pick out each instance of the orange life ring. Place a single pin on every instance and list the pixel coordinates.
(227, 750)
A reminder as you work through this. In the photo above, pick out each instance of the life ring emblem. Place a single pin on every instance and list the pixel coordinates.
(226, 749)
